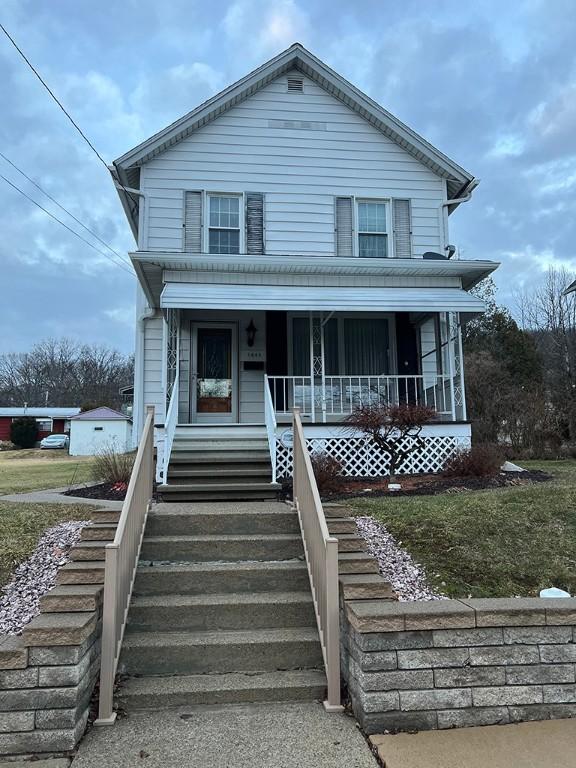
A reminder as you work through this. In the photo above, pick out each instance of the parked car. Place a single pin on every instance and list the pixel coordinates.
(55, 441)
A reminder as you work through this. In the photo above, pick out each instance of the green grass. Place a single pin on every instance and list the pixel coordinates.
(21, 525)
(33, 470)
(494, 543)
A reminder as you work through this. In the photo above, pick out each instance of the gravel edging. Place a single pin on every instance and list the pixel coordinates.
(407, 577)
(20, 601)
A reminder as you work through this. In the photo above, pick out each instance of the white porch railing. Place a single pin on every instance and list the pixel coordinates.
(270, 420)
(120, 566)
(337, 396)
(321, 552)
(165, 435)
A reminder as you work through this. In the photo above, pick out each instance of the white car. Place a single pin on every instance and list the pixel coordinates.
(55, 441)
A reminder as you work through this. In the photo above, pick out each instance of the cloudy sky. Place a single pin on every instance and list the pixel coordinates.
(493, 85)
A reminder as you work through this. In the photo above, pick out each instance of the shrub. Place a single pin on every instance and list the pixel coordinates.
(113, 467)
(394, 429)
(6, 445)
(482, 460)
(327, 469)
(24, 432)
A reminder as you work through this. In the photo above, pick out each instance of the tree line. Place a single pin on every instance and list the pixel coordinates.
(521, 374)
(62, 372)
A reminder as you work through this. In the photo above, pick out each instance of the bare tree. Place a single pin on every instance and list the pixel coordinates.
(550, 315)
(61, 372)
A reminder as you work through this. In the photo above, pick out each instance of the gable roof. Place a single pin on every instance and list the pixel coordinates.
(101, 414)
(126, 169)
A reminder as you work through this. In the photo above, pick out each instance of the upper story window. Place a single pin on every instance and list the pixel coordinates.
(224, 224)
(372, 229)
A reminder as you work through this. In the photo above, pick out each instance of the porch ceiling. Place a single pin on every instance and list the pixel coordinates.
(330, 299)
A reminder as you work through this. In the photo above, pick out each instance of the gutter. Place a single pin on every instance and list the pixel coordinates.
(467, 189)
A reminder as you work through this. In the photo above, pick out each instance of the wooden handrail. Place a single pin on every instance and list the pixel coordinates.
(321, 551)
(121, 561)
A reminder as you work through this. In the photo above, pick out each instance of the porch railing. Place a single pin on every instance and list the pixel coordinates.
(321, 552)
(165, 435)
(337, 396)
(270, 420)
(121, 561)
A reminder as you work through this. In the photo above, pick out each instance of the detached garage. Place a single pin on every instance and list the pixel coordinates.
(98, 429)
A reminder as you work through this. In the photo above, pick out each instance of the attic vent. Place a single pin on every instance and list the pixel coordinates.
(298, 125)
(296, 84)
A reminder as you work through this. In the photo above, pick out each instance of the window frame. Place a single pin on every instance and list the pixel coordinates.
(241, 222)
(387, 202)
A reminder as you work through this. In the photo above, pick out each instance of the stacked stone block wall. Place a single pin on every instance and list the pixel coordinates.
(445, 664)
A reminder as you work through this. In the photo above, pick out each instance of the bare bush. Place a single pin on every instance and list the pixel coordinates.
(327, 469)
(110, 466)
(482, 460)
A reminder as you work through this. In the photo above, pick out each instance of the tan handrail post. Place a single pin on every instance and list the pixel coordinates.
(121, 561)
(321, 551)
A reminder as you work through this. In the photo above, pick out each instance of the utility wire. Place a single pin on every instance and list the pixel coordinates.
(62, 107)
(102, 253)
(49, 196)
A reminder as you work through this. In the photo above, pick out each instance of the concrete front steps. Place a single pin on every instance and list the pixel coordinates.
(219, 462)
(221, 610)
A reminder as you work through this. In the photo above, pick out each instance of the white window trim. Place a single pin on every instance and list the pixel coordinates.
(389, 239)
(241, 220)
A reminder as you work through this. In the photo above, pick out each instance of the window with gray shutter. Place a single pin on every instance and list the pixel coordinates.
(193, 222)
(254, 222)
(344, 227)
(402, 225)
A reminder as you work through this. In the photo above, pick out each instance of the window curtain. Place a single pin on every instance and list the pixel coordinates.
(366, 346)
(300, 346)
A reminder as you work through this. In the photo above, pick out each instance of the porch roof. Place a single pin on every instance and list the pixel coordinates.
(298, 298)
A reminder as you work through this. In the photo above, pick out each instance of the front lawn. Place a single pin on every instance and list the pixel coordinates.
(21, 525)
(34, 470)
(501, 542)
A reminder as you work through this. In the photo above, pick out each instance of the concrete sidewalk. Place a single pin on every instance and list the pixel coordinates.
(548, 744)
(56, 496)
(294, 735)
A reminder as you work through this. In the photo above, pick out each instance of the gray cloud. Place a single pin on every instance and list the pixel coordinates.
(493, 85)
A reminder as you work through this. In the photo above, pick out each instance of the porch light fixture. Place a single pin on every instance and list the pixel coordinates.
(251, 331)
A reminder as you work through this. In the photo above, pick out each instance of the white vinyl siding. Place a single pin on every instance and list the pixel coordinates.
(300, 171)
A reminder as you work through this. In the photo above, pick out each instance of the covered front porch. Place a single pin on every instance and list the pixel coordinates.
(235, 367)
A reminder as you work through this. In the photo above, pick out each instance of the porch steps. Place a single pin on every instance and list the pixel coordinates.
(221, 609)
(219, 462)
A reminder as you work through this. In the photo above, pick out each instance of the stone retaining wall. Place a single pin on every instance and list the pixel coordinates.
(45, 690)
(456, 663)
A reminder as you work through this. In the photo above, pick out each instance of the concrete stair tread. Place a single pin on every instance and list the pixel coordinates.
(175, 509)
(210, 487)
(232, 472)
(220, 566)
(218, 457)
(153, 689)
(224, 537)
(244, 598)
(220, 637)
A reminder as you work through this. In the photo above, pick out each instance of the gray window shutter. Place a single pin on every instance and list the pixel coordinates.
(254, 222)
(193, 222)
(344, 227)
(402, 224)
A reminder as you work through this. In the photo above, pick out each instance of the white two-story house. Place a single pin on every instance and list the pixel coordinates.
(293, 250)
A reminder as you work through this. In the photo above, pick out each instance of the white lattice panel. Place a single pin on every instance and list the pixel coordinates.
(362, 459)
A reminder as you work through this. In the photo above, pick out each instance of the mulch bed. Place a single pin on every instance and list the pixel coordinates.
(106, 491)
(425, 485)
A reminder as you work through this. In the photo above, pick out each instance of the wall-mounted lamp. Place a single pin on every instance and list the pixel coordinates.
(251, 331)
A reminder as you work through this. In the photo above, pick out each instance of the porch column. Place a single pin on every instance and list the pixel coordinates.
(451, 362)
(317, 370)
(459, 388)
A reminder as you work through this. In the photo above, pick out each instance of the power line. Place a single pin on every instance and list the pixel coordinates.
(49, 196)
(102, 253)
(63, 108)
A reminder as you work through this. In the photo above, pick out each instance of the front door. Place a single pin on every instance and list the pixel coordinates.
(214, 372)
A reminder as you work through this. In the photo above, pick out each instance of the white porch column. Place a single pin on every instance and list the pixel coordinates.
(451, 362)
(317, 370)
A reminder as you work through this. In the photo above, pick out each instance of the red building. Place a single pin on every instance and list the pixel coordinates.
(50, 420)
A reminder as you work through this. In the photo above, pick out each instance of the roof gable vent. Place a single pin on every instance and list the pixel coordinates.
(295, 85)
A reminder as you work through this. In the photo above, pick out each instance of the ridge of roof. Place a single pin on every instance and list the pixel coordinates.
(102, 413)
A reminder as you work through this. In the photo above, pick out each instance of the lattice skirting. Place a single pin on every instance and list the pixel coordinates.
(360, 458)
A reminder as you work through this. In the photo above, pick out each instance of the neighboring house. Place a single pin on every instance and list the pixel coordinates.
(50, 420)
(98, 429)
(293, 250)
